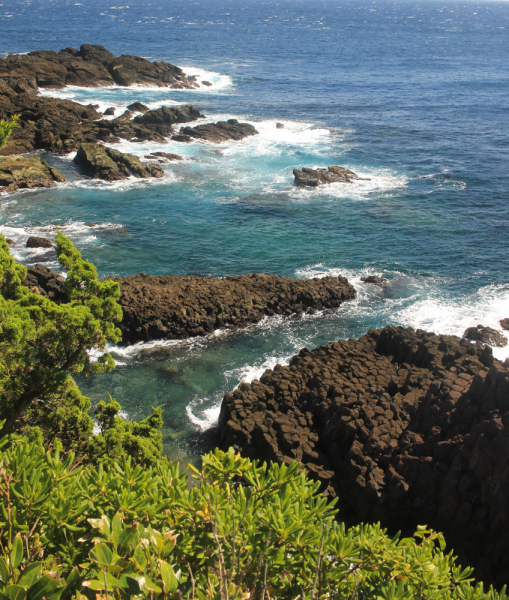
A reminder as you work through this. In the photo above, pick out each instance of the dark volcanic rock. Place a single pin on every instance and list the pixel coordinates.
(164, 155)
(62, 125)
(176, 307)
(376, 279)
(315, 177)
(206, 83)
(27, 172)
(109, 112)
(406, 427)
(10, 242)
(504, 323)
(486, 335)
(138, 107)
(279, 126)
(46, 282)
(162, 119)
(106, 163)
(39, 242)
(222, 131)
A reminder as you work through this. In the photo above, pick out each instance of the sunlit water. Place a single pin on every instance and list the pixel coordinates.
(412, 96)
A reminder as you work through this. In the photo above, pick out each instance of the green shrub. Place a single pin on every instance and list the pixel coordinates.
(243, 531)
(42, 344)
(6, 127)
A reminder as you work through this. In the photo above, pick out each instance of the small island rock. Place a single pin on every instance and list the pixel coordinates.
(315, 177)
(486, 335)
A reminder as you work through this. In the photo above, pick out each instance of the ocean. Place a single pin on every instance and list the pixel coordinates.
(412, 95)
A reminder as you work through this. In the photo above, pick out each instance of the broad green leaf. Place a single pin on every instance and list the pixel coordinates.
(17, 551)
(4, 572)
(42, 588)
(168, 576)
(101, 554)
(30, 575)
(15, 592)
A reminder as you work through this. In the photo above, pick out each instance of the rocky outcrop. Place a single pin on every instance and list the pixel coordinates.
(18, 172)
(174, 307)
(222, 131)
(109, 164)
(90, 66)
(109, 112)
(486, 335)
(138, 107)
(39, 242)
(315, 177)
(45, 282)
(62, 125)
(406, 427)
(504, 323)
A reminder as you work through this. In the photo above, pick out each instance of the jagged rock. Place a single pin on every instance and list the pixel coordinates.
(138, 107)
(109, 112)
(27, 172)
(162, 119)
(176, 307)
(279, 126)
(376, 279)
(62, 125)
(39, 242)
(405, 427)
(486, 335)
(222, 131)
(46, 282)
(106, 163)
(504, 323)
(315, 177)
(157, 155)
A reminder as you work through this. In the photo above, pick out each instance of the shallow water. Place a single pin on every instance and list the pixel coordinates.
(411, 95)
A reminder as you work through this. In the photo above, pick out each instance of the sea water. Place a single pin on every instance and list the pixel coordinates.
(412, 95)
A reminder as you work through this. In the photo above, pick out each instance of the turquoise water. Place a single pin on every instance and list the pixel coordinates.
(411, 95)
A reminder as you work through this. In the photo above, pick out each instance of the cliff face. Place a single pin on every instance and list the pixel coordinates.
(405, 427)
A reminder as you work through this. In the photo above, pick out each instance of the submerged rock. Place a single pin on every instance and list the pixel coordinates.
(174, 307)
(109, 164)
(376, 279)
(315, 177)
(39, 242)
(486, 335)
(163, 155)
(222, 131)
(27, 172)
(406, 427)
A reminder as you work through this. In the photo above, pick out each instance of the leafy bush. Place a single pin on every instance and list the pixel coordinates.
(43, 343)
(6, 127)
(243, 530)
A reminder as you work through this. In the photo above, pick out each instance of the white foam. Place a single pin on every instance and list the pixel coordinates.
(207, 417)
(218, 81)
(427, 304)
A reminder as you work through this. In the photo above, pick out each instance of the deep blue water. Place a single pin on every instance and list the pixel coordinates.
(413, 95)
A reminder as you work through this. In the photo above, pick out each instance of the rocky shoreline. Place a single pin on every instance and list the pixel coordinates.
(404, 426)
(174, 307)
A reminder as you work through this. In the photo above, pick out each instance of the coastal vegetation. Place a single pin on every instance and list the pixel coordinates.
(98, 516)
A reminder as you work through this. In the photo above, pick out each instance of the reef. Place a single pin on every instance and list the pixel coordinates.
(222, 131)
(405, 427)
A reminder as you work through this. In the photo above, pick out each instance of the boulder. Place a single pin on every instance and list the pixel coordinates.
(376, 279)
(206, 83)
(222, 131)
(18, 172)
(315, 177)
(486, 335)
(45, 282)
(504, 323)
(279, 126)
(173, 307)
(39, 242)
(138, 107)
(109, 112)
(106, 163)
(405, 427)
